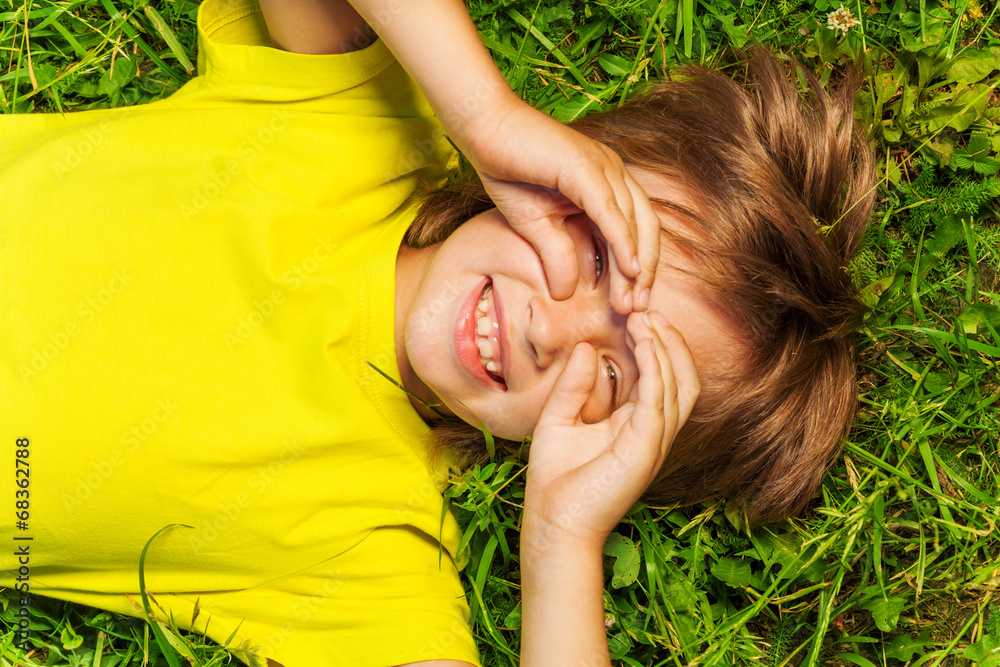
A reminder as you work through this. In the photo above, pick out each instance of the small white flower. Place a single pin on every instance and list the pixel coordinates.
(841, 20)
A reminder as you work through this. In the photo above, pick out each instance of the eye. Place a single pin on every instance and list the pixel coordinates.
(599, 261)
(613, 380)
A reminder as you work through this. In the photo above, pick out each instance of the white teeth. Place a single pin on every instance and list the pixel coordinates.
(486, 331)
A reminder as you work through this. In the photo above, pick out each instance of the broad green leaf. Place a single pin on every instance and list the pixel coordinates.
(892, 132)
(682, 595)
(893, 172)
(584, 35)
(948, 233)
(936, 383)
(626, 554)
(986, 166)
(870, 295)
(887, 84)
(732, 571)
(513, 619)
(985, 652)
(885, 611)
(574, 108)
(70, 640)
(120, 73)
(904, 647)
(979, 143)
(977, 315)
(962, 160)
(614, 65)
(973, 65)
(737, 33)
(956, 116)
(45, 73)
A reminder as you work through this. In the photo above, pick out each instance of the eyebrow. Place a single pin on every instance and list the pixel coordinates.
(690, 216)
(674, 207)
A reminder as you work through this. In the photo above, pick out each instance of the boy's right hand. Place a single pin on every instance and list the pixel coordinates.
(538, 171)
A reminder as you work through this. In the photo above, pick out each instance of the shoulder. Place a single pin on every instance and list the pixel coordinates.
(305, 26)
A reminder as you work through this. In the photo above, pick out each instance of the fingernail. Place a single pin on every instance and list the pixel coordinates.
(645, 319)
(644, 298)
(635, 265)
(628, 300)
(660, 318)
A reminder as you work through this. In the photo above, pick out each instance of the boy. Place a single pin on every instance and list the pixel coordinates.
(569, 506)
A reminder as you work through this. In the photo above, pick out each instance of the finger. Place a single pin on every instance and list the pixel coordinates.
(649, 391)
(604, 205)
(648, 232)
(678, 379)
(617, 176)
(642, 438)
(668, 404)
(557, 252)
(621, 288)
(572, 388)
(682, 365)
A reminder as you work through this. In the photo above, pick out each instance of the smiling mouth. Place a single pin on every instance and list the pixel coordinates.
(487, 335)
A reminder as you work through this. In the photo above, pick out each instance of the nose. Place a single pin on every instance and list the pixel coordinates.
(555, 327)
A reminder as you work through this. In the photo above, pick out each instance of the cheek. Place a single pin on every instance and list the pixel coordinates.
(514, 417)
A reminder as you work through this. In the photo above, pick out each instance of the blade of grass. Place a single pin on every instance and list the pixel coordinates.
(133, 34)
(161, 640)
(550, 47)
(168, 36)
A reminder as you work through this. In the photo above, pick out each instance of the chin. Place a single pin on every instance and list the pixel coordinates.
(497, 431)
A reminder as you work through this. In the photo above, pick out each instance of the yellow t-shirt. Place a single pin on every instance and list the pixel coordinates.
(190, 290)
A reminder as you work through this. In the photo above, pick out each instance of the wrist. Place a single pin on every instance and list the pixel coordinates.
(543, 540)
(562, 599)
(481, 112)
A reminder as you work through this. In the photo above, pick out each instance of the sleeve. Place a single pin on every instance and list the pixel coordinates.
(236, 60)
(301, 118)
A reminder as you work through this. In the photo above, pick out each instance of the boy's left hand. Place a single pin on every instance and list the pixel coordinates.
(582, 478)
(538, 171)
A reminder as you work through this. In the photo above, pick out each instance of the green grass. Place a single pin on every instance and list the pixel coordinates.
(899, 563)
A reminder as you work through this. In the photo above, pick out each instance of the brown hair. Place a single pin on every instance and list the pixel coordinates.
(780, 187)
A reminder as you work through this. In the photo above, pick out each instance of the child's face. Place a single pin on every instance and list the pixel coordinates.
(484, 338)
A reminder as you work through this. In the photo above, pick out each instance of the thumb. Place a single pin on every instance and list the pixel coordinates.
(572, 388)
(557, 252)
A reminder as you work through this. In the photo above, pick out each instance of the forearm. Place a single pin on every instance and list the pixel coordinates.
(437, 43)
(562, 601)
